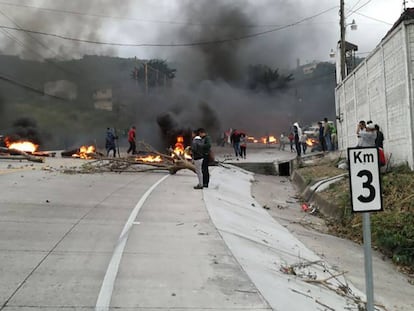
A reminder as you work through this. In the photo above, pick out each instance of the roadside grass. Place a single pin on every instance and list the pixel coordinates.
(392, 229)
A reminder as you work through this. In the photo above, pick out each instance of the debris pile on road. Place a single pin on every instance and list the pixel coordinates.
(15, 154)
(146, 160)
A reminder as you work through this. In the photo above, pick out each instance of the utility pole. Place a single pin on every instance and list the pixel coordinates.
(342, 43)
(146, 78)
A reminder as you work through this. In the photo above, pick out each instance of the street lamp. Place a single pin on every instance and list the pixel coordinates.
(354, 26)
(342, 41)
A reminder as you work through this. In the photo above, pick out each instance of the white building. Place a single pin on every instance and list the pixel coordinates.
(381, 89)
(61, 88)
(102, 99)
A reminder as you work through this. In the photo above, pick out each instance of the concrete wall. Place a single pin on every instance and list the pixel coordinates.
(380, 89)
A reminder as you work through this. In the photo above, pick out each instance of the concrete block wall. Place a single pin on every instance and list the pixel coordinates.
(380, 89)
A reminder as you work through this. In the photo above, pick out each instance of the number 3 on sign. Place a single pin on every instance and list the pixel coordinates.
(364, 177)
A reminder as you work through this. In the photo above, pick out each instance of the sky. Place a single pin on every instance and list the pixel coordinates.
(308, 29)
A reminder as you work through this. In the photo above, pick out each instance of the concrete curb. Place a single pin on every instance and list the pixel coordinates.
(327, 208)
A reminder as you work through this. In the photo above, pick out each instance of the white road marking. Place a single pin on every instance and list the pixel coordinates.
(105, 294)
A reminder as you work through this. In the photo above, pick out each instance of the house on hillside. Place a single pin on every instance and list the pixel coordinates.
(381, 89)
(61, 88)
(102, 99)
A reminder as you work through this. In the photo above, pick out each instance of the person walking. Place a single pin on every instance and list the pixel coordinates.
(197, 153)
(110, 142)
(131, 139)
(206, 148)
(243, 145)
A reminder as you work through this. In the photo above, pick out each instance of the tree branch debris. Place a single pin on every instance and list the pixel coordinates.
(149, 160)
(333, 281)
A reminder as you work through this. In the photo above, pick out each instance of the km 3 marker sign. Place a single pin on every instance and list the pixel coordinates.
(364, 178)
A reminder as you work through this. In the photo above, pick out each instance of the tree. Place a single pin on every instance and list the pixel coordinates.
(263, 78)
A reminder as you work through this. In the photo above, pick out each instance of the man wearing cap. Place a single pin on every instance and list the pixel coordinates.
(366, 138)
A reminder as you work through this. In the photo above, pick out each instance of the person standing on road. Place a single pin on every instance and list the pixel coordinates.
(206, 156)
(282, 141)
(291, 138)
(243, 145)
(110, 142)
(298, 133)
(327, 134)
(321, 138)
(131, 139)
(197, 153)
(303, 139)
(235, 141)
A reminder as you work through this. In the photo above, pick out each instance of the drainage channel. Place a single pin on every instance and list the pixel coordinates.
(267, 168)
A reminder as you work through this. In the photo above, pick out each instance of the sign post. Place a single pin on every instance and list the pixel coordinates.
(366, 197)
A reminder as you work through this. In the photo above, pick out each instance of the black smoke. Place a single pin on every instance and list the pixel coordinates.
(213, 76)
(24, 129)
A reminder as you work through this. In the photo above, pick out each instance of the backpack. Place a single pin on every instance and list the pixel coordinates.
(382, 159)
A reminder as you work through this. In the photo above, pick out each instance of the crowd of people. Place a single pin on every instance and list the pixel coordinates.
(368, 133)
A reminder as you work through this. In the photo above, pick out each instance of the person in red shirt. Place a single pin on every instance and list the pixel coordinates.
(131, 139)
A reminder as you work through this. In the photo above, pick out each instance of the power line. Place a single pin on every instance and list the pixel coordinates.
(218, 41)
(25, 46)
(28, 86)
(359, 8)
(353, 7)
(140, 20)
(373, 18)
(17, 25)
(13, 38)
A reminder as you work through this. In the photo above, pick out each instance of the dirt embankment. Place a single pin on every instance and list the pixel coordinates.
(339, 240)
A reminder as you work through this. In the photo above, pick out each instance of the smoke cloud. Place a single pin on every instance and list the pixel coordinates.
(215, 74)
(209, 90)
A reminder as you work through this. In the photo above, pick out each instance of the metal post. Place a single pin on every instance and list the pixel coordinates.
(146, 77)
(342, 43)
(369, 284)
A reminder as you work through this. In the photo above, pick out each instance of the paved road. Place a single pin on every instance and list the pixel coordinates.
(86, 242)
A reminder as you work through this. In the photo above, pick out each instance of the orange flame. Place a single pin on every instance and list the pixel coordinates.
(268, 139)
(25, 146)
(272, 139)
(179, 149)
(179, 145)
(311, 142)
(251, 139)
(150, 158)
(85, 152)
